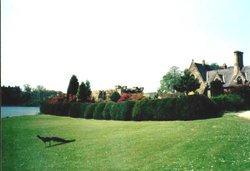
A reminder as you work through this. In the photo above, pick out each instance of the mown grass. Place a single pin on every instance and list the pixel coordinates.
(213, 144)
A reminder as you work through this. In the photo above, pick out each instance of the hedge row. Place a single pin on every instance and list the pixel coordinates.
(230, 102)
(181, 108)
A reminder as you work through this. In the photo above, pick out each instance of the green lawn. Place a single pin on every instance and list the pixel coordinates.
(213, 144)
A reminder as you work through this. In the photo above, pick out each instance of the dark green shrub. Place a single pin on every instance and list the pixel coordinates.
(98, 110)
(47, 108)
(196, 107)
(88, 113)
(229, 102)
(244, 93)
(82, 109)
(124, 110)
(62, 109)
(114, 96)
(107, 110)
(114, 111)
(166, 109)
(182, 108)
(74, 110)
(140, 112)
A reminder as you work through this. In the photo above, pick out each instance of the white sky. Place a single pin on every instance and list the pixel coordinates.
(115, 42)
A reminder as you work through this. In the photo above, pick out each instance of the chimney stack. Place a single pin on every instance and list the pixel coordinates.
(203, 63)
(238, 61)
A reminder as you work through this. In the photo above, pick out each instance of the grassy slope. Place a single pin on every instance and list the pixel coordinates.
(214, 144)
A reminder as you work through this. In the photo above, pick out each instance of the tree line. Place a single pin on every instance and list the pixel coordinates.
(15, 96)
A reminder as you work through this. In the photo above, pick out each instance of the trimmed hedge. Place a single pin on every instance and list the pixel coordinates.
(106, 114)
(97, 114)
(123, 110)
(88, 113)
(77, 109)
(229, 102)
(181, 108)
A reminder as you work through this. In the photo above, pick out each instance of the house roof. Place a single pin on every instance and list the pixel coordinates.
(227, 75)
(203, 70)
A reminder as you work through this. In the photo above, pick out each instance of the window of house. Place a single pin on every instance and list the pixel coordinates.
(239, 80)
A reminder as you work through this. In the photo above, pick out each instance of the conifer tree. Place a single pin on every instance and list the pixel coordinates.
(73, 86)
(81, 92)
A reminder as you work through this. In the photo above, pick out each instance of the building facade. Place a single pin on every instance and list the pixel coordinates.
(233, 76)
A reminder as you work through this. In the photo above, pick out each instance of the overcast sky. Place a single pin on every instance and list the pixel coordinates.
(117, 42)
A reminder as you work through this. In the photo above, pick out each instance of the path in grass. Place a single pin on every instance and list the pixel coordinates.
(213, 144)
(244, 114)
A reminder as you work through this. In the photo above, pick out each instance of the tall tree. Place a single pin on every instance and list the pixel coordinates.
(27, 94)
(73, 86)
(81, 95)
(187, 83)
(84, 92)
(88, 90)
(169, 80)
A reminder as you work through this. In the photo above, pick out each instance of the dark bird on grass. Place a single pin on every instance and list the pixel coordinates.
(55, 139)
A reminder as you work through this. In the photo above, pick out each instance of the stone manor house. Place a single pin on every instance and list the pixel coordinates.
(233, 76)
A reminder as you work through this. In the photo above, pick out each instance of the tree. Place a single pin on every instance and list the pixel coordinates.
(215, 66)
(73, 86)
(115, 96)
(186, 83)
(216, 87)
(81, 92)
(88, 91)
(84, 92)
(169, 80)
(11, 95)
(102, 95)
(27, 94)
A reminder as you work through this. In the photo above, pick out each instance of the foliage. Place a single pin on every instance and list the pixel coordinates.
(59, 98)
(132, 90)
(97, 114)
(182, 108)
(88, 113)
(187, 83)
(84, 92)
(107, 110)
(137, 96)
(75, 110)
(169, 80)
(27, 94)
(122, 110)
(216, 88)
(11, 95)
(81, 95)
(88, 90)
(27, 97)
(214, 66)
(102, 95)
(123, 97)
(244, 93)
(115, 96)
(229, 102)
(73, 86)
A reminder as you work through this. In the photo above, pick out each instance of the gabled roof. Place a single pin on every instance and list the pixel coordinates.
(203, 70)
(228, 76)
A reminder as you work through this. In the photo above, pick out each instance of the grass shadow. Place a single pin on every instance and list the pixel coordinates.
(53, 145)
